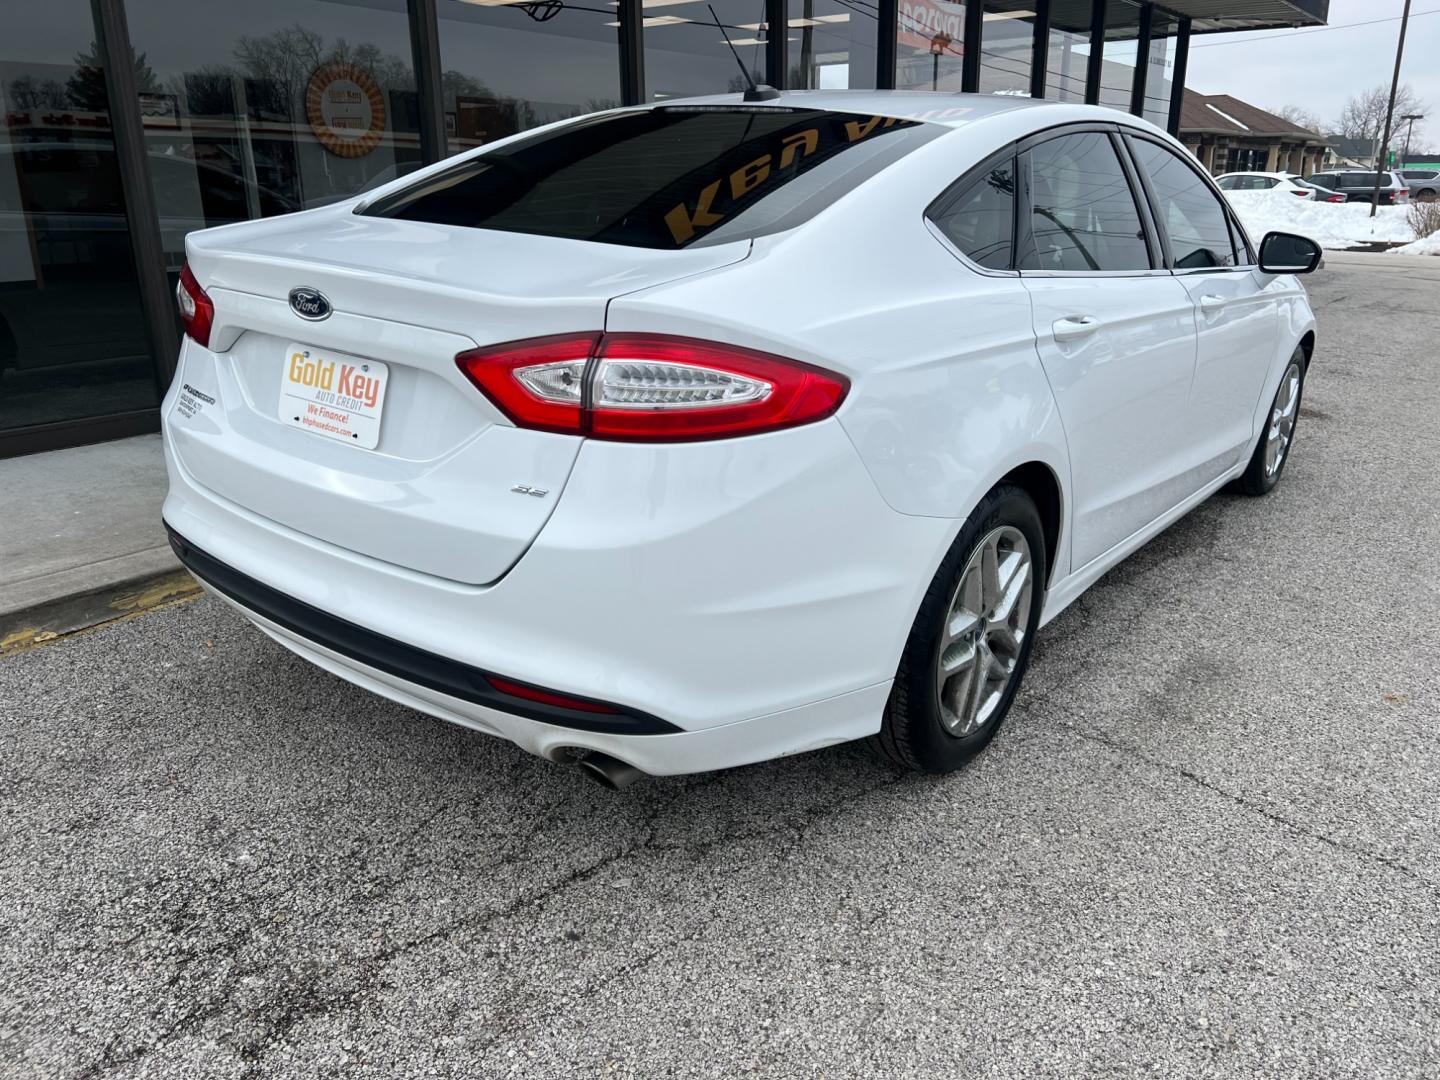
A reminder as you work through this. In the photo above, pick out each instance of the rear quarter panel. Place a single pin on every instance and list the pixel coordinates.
(948, 394)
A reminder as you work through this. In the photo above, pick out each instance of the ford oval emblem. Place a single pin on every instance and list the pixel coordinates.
(310, 304)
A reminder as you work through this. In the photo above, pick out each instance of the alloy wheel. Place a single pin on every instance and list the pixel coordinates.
(1282, 420)
(985, 626)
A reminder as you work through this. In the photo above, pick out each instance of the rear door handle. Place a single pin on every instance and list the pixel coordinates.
(1075, 326)
(1210, 303)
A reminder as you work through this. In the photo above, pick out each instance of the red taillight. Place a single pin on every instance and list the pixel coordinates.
(547, 697)
(537, 383)
(1336, 198)
(650, 387)
(197, 312)
(1299, 191)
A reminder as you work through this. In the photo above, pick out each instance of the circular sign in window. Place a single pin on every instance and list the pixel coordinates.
(346, 109)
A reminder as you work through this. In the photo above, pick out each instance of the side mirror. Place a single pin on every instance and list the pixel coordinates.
(1286, 253)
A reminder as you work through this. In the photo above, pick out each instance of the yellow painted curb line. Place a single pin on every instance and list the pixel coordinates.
(69, 618)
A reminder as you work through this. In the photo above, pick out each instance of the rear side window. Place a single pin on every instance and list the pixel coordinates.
(1191, 214)
(978, 217)
(665, 178)
(1083, 214)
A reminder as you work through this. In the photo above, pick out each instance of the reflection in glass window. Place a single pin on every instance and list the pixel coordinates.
(980, 218)
(685, 52)
(665, 178)
(1117, 73)
(1007, 43)
(73, 342)
(1160, 69)
(1194, 220)
(1084, 216)
(1068, 56)
(929, 45)
(509, 67)
(278, 105)
(831, 44)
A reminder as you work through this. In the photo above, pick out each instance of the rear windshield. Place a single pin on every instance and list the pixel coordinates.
(665, 178)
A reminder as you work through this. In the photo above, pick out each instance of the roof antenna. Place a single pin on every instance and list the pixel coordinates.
(755, 92)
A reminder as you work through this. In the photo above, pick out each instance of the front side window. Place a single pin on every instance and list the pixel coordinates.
(1193, 217)
(979, 217)
(1083, 213)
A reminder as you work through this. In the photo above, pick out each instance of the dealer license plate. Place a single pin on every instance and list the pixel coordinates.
(334, 395)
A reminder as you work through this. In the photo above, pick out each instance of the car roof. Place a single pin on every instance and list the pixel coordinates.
(1272, 175)
(951, 110)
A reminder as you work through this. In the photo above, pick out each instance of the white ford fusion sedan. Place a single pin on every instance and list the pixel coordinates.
(684, 436)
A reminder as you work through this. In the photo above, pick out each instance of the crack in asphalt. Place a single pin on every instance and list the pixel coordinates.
(297, 1005)
(1387, 861)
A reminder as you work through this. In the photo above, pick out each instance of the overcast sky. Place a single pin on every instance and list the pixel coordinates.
(1319, 69)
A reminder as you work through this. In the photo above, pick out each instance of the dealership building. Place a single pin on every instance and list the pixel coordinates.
(129, 123)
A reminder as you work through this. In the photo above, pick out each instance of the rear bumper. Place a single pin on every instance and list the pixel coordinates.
(811, 727)
(368, 649)
(746, 600)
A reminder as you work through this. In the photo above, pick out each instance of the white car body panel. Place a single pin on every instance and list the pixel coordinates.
(756, 592)
(1119, 389)
(1283, 184)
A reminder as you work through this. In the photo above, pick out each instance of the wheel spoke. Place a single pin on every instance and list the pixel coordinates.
(957, 659)
(980, 686)
(990, 574)
(962, 624)
(1004, 640)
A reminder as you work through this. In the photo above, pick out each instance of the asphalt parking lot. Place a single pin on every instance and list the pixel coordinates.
(1206, 844)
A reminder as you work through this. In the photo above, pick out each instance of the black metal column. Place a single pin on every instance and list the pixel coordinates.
(1040, 50)
(886, 44)
(970, 65)
(1142, 59)
(1095, 69)
(776, 31)
(1177, 87)
(632, 52)
(425, 48)
(156, 302)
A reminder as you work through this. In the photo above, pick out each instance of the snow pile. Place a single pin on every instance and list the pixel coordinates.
(1331, 225)
(1429, 245)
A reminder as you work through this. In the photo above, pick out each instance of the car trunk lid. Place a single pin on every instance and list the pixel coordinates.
(450, 487)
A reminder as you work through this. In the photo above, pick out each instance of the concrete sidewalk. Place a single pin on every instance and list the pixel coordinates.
(81, 521)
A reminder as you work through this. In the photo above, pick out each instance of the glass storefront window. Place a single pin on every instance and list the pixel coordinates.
(1007, 39)
(278, 105)
(930, 45)
(73, 341)
(686, 54)
(508, 67)
(1068, 54)
(1117, 74)
(1160, 68)
(831, 45)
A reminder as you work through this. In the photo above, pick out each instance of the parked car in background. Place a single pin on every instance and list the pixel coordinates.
(1359, 186)
(1322, 194)
(1424, 183)
(1281, 183)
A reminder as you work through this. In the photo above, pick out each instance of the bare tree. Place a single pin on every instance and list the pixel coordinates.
(1364, 114)
(1299, 116)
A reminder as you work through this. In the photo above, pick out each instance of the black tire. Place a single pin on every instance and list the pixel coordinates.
(1257, 479)
(912, 734)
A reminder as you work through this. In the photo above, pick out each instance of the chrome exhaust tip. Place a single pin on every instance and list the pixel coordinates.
(609, 772)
